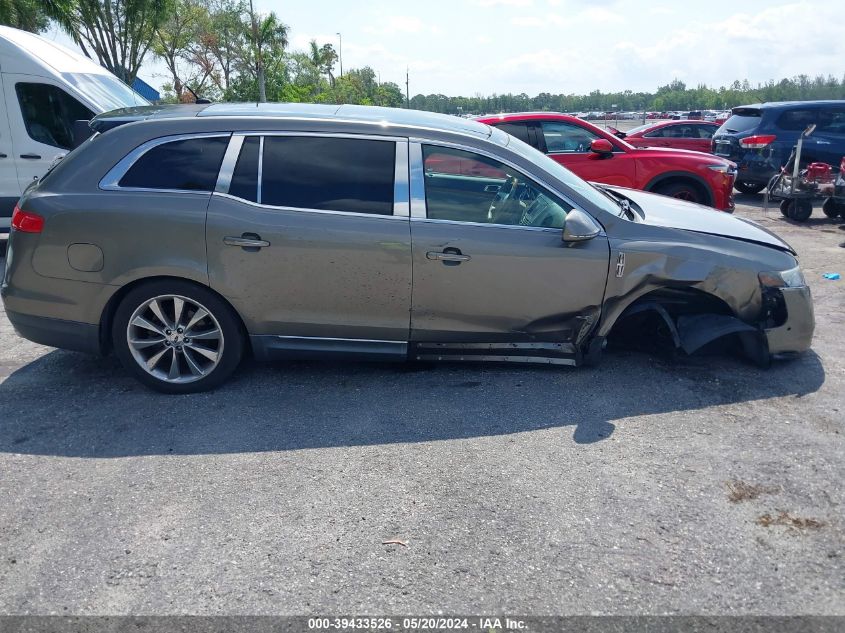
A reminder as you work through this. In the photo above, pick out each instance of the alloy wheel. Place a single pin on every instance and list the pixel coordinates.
(175, 339)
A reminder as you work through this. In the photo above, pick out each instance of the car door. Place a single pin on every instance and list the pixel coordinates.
(569, 144)
(704, 140)
(41, 118)
(10, 189)
(308, 236)
(505, 285)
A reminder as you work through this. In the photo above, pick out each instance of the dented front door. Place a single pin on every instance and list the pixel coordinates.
(474, 283)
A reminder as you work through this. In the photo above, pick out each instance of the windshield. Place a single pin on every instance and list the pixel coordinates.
(588, 191)
(105, 92)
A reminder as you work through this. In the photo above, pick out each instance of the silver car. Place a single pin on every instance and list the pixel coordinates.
(185, 237)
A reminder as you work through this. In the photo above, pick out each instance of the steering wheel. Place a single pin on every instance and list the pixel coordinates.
(501, 206)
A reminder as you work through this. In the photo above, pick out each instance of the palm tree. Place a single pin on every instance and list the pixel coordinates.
(269, 34)
(323, 59)
(35, 15)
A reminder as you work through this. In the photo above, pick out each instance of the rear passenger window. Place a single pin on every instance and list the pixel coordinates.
(245, 177)
(333, 174)
(519, 130)
(797, 120)
(189, 165)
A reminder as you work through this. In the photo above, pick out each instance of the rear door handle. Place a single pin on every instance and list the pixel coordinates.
(247, 240)
(451, 255)
(3, 156)
(31, 156)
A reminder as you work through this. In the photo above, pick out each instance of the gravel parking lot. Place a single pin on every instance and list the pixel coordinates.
(642, 486)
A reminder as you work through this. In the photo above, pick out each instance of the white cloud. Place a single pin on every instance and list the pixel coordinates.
(503, 3)
(600, 14)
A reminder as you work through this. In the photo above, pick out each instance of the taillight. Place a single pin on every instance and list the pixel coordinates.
(26, 222)
(758, 141)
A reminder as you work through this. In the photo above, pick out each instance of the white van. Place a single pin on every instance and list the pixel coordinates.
(44, 89)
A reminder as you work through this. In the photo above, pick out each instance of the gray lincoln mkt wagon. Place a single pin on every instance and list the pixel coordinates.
(184, 237)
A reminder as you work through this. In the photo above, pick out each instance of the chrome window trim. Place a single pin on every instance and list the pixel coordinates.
(417, 175)
(401, 191)
(400, 175)
(363, 137)
(418, 184)
(230, 159)
(270, 207)
(488, 224)
(110, 181)
(260, 174)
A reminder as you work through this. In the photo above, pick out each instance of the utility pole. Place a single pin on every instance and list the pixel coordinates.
(339, 50)
(407, 88)
(259, 64)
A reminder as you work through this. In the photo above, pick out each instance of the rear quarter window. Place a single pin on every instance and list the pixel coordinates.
(186, 165)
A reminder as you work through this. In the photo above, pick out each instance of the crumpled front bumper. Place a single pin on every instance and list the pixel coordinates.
(796, 333)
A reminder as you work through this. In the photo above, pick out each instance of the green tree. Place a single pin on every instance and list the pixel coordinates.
(118, 32)
(267, 38)
(323, 58)
(178, 43)
(35, 15)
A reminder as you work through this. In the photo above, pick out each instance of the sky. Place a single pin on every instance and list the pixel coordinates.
(469, 47)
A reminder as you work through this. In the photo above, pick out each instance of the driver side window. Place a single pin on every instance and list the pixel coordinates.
(467, 187)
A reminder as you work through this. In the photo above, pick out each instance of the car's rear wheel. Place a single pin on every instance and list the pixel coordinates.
(748, 187)
(681, 190)
(177, 337)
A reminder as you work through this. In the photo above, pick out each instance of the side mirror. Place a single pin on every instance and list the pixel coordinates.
(601, 148)
(579, 226)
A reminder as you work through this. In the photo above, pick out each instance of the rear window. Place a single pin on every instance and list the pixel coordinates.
(335, 174)
(742, 122)
(186, 165)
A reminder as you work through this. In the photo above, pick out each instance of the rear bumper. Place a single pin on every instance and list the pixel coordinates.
(796, 333)
(80, 337)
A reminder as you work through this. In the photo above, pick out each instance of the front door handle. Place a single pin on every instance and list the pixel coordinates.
(449, 256)
(3, 156)
(31, 156)
(249, 241)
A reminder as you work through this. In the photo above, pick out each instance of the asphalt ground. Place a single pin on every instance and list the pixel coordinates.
(643, 486)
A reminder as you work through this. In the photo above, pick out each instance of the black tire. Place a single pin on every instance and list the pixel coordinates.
(833, 209)
(784, 207)
(749, 188)
(683, 190)
(229, 348)
(799, 210)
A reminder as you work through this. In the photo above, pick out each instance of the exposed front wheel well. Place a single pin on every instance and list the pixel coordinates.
(107, 318)
(670, 320)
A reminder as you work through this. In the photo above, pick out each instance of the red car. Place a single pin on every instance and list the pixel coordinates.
(694, 135)
(598, 156)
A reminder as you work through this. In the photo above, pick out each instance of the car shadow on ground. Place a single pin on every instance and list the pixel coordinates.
(68, 404)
